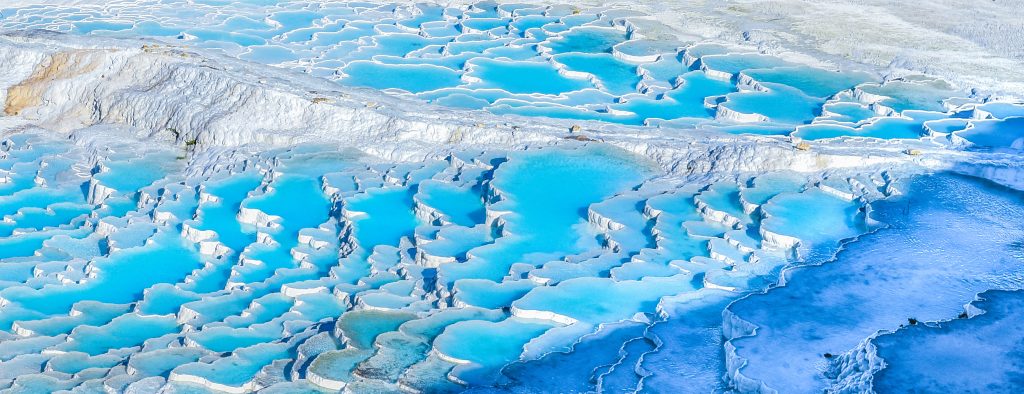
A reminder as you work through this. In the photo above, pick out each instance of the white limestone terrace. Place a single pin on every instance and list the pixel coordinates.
(204, 99)
(606, 63)
(974, 47)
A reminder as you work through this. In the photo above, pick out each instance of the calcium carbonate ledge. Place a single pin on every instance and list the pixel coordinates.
(377, 130)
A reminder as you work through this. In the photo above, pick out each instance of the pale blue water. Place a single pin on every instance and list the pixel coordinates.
(885, 128)
(543, 226)
(486, 294)
(925, 95)
(220, 216)
(93, 314)
(125, 276)
(849, 112)
(733, 64)
(74, 363)
(686, 101)
(781, 104)
(591, 40)
(619, 77)
(724, 198)
(601, 300)
(411, 78)
(388, 217)
(995, 134)
(524, 77)
(815, 217)
(488, 345)
(125, 331)
(814, 82)
(463, 206)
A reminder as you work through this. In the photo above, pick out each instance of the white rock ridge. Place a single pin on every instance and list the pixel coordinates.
(211, 100)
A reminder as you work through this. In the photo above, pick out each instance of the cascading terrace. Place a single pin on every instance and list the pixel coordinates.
(146, 278)
(536, 198)
(601, 64)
